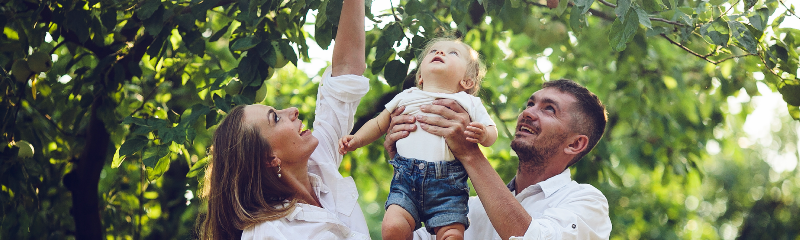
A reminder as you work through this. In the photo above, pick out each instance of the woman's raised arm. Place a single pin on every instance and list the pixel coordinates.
(348, 51)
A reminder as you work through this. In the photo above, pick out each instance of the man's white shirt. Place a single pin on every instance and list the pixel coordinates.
(560, 207)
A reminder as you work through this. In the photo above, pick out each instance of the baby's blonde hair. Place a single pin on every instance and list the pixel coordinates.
(475, 68)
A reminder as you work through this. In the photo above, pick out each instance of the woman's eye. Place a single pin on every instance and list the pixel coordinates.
(277, 118)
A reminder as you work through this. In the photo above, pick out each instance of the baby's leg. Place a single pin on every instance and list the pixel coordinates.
(453, 231)
(398, 224)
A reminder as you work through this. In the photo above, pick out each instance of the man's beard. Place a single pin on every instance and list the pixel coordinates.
(533, 156)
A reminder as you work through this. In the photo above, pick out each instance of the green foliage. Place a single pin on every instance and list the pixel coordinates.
(126, 113)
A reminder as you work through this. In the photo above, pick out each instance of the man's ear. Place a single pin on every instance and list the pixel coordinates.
(577, 143)
(467, 83)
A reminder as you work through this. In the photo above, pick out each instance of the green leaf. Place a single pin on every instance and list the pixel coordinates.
(249, 68)
(395, 72)
(198, 167)
(211, 119)
(393, 32)
(155, 23)
(288, 51)
(562, 6)
(332, 10)
(794, 111)
(219, 33)
(245, 43)
(190, 134)
(622, 9)
(760, 18)
(790, 92)
(717, 32)
(197, 111)
(622, 33)
(743, 36)
(148, 9)
(577, 21)
(323, 35)
(133, 145)
(109, 19)
(134, 120)
(160, 168)
(117, 160)
(749, 4)
(413, 7)
(153, 154)
(78, 21)
(717, 2)
(644, 18)
(584, 5)
(221, 104)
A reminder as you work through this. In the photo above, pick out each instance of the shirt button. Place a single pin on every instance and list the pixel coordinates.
(574, 226)
(421, 166)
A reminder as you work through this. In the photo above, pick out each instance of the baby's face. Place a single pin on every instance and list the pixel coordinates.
(445, 61)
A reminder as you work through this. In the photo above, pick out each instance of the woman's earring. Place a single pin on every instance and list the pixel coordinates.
(279, 170)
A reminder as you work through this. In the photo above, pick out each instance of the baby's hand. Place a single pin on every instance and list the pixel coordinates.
(476, 132)
(345, 144)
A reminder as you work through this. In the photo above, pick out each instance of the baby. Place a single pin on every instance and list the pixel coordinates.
(429, 185)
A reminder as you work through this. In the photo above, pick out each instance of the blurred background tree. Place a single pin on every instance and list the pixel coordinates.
(108, 106)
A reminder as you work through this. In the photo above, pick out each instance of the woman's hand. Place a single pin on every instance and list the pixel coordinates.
(399, 127)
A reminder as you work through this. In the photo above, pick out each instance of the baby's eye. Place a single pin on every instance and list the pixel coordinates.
(454, 52)
(432, 51)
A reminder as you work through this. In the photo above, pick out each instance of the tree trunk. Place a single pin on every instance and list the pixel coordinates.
(84, 178)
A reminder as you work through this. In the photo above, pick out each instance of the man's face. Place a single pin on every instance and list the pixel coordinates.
(544, 125)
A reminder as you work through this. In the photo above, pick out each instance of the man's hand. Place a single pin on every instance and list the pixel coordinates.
(399, 127)
(452, 125)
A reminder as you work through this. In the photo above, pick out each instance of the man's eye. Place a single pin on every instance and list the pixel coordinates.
(530, 104)
(550, 108)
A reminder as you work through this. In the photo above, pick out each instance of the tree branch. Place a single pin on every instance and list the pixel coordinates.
(788, 9)
(704, 57)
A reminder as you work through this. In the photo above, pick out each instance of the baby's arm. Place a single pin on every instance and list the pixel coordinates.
(368, 133)
(478, 133)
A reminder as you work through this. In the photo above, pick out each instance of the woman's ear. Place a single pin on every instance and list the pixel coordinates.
(274, 163)
(467, 83)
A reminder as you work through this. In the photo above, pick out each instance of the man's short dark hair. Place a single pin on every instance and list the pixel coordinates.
(591, 118)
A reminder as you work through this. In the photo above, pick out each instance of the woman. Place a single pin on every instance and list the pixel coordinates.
(273, 180)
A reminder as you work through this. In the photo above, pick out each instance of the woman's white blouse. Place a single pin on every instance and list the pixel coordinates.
(340, 216)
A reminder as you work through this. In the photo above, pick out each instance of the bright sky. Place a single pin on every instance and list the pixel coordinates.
(770, 109)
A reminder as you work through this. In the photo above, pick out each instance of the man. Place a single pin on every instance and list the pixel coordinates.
(560, 124)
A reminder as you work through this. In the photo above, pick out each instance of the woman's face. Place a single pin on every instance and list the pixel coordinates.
(283, 131)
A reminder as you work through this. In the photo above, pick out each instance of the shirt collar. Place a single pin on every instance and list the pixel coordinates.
(317, 184)
(549, 186)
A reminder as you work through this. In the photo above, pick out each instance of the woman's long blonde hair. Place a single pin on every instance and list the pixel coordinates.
(240, 189)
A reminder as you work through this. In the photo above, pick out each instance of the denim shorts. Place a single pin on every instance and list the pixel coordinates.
(435, 193)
